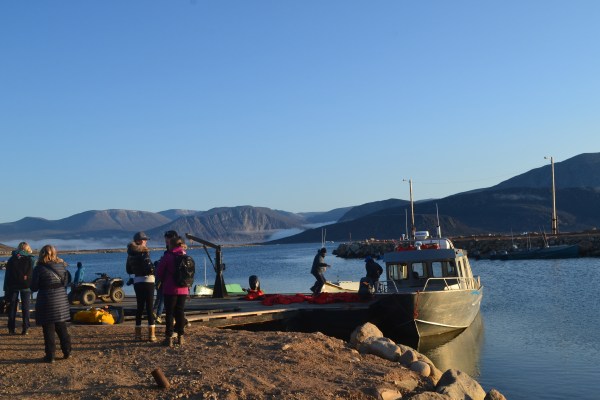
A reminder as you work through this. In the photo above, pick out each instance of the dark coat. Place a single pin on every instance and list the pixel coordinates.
(374, 270)
(52, 304)
(138, 260)
(19, 270)
(319, 263)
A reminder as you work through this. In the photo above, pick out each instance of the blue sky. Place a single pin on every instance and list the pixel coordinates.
(292, 105)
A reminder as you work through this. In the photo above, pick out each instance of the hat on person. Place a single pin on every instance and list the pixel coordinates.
(171, 234)
(367, 258)
(323, 250)
(140, 236)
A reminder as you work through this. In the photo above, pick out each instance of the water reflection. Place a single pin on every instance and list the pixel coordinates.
(459, 350)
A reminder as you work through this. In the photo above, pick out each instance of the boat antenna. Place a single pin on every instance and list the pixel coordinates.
(439, 228)
(406, 221)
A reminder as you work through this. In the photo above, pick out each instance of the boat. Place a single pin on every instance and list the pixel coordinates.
(429, 289)
(543, 253)
(233, 289)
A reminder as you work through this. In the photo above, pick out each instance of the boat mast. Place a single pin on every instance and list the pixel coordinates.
(554, 217)
(412, 209)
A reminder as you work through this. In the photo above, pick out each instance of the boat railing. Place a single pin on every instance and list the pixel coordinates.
(451, 283)
(431, 284)
(387, 287)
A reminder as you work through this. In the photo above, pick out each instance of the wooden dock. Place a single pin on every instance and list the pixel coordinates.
(234, 311)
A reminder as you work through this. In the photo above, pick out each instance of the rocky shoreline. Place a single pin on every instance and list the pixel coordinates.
(482, 246)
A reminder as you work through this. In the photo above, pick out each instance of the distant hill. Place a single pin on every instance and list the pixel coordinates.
(582, 171)
(173, 214)
(522, 203)
(89, 223)
(327, 216)
(243, 224)
(370, 208)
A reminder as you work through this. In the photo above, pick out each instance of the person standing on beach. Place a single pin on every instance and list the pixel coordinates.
(52, 311)
(78, 280)
(17, 281)
(175, 296)
(319, 266)
(140, 265)
(159, 301)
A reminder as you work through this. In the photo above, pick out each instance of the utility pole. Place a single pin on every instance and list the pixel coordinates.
(412, 209)
(554, 217)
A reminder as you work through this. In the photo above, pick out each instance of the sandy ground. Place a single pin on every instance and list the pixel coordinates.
(213, 364)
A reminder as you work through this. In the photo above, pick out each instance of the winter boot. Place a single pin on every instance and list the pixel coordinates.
(151, 334)
(180, 340)
(168, 342)
(138, 333)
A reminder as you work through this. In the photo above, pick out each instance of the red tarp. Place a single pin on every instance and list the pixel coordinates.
(323, 298)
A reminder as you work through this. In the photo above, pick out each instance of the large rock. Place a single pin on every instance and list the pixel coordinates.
(362, 333)
(381, 347)
(459, 385)
(494, 395)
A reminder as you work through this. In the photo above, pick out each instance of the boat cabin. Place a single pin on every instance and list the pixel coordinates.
(431, 264)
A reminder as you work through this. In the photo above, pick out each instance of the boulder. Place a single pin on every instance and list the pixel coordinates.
(408, 357)
(421, 368)
(459, 385)
(494, 395)
(381, 347)
(362, 333)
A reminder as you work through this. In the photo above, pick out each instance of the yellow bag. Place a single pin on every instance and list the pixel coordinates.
(94, 316)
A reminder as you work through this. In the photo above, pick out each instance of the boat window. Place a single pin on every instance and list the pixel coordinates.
(418, 270)
(437, 269)
(450, 269)
(397, 271)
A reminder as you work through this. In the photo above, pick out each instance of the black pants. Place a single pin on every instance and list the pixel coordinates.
(50, 339)
(12, 311)
(144, 294)
(318, 286)
(174, 308)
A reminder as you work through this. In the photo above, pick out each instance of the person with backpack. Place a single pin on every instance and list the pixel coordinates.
(140, 265)
(52, 311)
(176, 272)
(159, 303)
(17, 281)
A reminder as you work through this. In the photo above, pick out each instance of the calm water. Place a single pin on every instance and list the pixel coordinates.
(537, 335)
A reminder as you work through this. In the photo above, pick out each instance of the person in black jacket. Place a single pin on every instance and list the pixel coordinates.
(374, 270)
(140, 265)
(52, 310)
(318, 269)
(17, 281)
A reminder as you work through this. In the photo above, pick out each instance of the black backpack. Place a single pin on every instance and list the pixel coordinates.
(185, 268)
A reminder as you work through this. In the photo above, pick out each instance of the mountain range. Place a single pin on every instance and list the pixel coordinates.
(521, 203)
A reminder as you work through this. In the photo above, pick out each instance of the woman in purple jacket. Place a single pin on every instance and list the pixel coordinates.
(174, 296)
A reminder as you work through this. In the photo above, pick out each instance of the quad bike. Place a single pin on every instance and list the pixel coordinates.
(104, 287)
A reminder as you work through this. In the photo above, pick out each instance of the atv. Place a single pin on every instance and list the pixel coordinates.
(104, 287)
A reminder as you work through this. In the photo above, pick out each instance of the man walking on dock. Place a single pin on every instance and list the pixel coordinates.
(318, 269)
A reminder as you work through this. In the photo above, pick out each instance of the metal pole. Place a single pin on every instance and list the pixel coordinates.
(554, 217)
(412, 209)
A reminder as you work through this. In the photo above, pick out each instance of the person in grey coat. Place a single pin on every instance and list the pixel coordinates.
(52, 311)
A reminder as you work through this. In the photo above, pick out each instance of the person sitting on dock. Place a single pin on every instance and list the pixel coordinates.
(318, 269)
